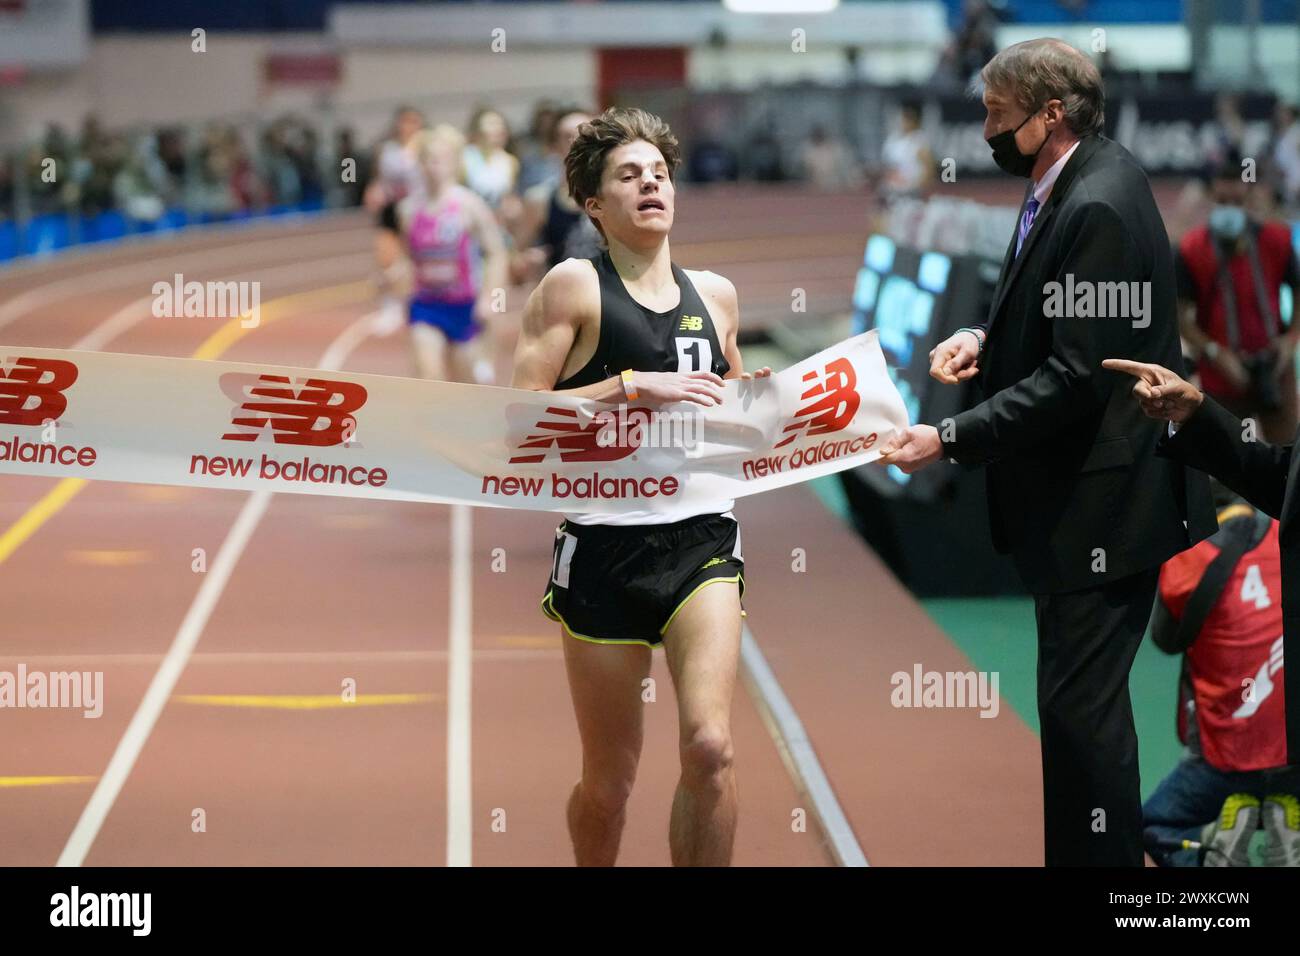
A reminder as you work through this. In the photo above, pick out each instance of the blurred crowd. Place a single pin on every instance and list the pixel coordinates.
(217, 171)
(224, 169)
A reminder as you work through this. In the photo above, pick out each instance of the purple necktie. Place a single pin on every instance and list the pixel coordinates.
(1026, 222)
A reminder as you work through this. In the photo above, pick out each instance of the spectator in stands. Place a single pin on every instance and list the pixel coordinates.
(92, 168)
(352, 190)
(1285, 156)
(212, 194)
(710, 160)
(761, 156)
(908, 164)
(302, 147)
(826, 162)
(140, 186)
(711, 156)
(1230, 270)
(171, 151)
(227, 183)
(277, 169)
(489, 168)
(1219, 605)
(48, 170)
(973, 45)
(537, 160)
(1228, 130)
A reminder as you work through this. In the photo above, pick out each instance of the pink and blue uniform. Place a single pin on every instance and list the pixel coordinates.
(445, 254)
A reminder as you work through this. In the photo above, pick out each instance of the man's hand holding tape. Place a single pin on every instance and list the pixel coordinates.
(952, 362)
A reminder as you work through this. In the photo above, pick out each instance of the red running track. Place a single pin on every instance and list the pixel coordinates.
(326, 591)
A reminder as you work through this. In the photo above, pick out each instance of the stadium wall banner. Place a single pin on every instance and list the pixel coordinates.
(188, 422)
(1170, 133)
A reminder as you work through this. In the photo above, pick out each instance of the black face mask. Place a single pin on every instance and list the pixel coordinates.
(1007, 154)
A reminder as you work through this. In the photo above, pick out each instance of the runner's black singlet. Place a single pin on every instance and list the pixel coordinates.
(680, 339)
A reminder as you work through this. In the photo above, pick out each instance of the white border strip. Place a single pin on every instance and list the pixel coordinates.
(460, 645)
(797, 753)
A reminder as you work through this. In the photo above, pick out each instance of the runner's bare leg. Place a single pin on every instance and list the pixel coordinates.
(605, 682)
(430, 350)
(703, 650)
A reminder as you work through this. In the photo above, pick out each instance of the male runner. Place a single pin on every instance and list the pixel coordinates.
(623, 584)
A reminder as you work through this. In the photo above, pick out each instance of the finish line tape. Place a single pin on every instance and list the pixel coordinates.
(194, 423)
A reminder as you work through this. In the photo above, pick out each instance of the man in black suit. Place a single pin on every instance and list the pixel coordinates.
(1076, 493)
(1208, 437)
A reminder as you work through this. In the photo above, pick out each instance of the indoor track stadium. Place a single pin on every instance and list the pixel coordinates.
(270, 679)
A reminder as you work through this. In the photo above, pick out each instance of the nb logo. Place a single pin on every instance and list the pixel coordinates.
(31, 390)
(832, 402)
(691, 323)
(573, 440)
(314, 411)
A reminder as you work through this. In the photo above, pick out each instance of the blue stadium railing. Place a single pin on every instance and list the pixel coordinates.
(48, 233)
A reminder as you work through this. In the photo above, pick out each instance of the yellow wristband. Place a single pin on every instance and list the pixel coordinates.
(628, 388)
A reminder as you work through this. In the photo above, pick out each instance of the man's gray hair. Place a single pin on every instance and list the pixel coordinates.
(1036, 71)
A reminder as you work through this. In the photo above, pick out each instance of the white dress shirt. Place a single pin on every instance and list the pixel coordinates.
(1043, 188)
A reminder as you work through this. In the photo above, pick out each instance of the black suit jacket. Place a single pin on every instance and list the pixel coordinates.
(1076, 493)
(1217, 442)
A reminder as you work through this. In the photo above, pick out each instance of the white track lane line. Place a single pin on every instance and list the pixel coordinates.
(118, 276)
(187, 636)
(133, 313)
(460, 645)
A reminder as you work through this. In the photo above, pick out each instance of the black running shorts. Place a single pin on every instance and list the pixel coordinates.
(623, 584)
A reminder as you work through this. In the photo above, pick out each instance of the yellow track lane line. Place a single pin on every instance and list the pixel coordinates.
(345, 293)
(109, 558)
(212, 348)
(42, 781)
(303, 701)
(37, 515)
(530, 640)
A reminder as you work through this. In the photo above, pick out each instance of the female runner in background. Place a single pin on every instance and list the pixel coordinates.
(458, 263)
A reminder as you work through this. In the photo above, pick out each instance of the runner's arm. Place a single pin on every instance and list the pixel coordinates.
(550, 325)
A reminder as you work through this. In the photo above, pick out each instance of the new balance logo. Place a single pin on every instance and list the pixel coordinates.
(691, 323)
(574, 441)
(31, 390)
(832, 402)
(315, 411)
